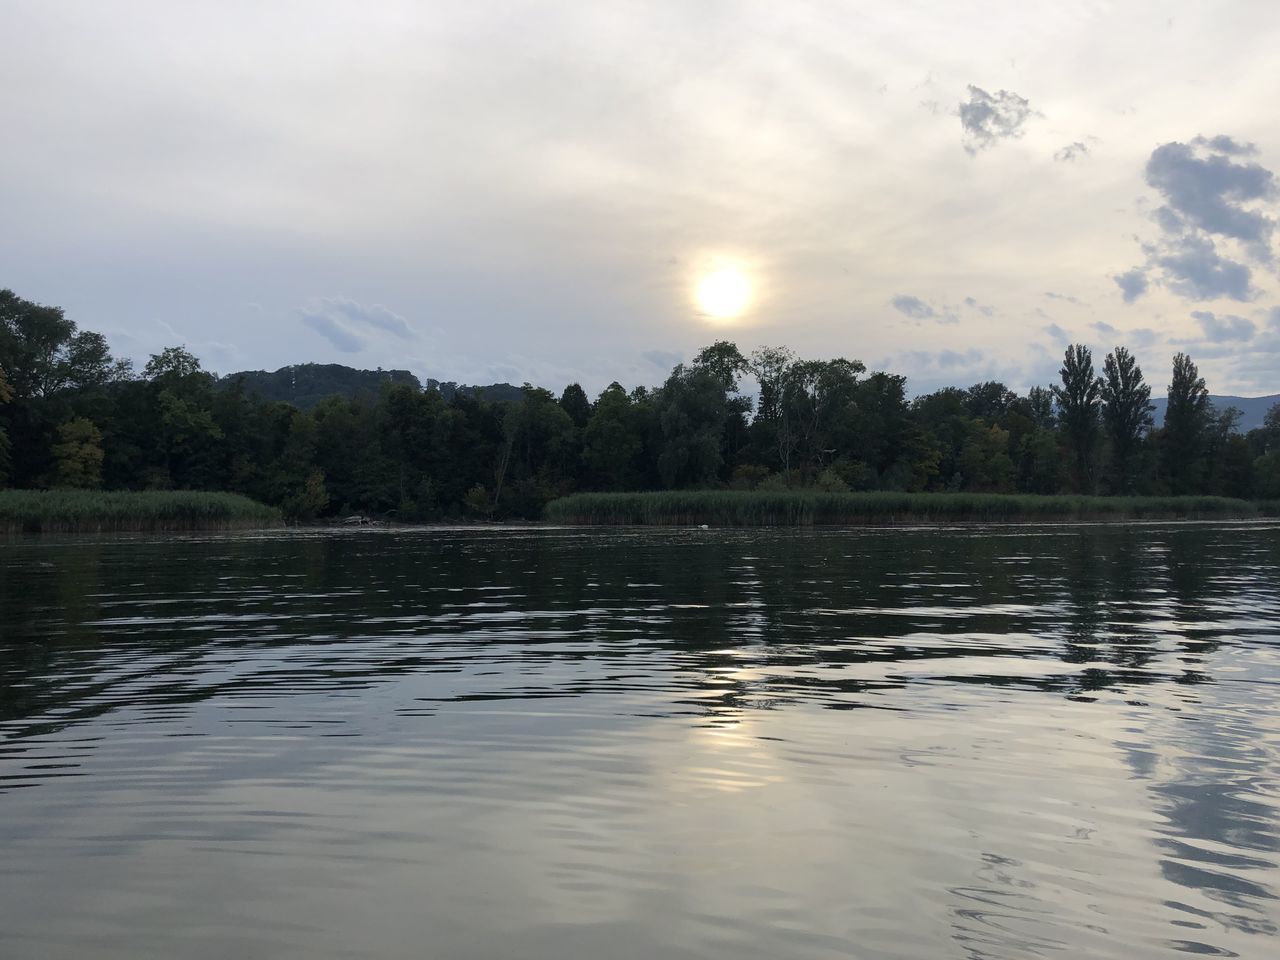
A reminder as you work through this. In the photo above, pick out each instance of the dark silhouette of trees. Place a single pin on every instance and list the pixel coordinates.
(71, 415)
(1186, 423)
(1126, 413)
(1078, 399)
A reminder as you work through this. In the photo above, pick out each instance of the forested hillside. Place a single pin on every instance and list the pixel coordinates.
(305, 384)
(73, 416)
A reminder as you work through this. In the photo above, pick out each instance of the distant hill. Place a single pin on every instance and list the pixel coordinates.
(306, 384)
(1253, 409)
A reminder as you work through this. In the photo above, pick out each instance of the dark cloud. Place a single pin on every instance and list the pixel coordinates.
(1057, 333)
(1193, 268)
(987, 118)
(1206, 190)
(1072, 152)
(1104, 328)
(1214, 204)
(1221, 329)
(1224, 144)
(333, 331)
(1132, 283)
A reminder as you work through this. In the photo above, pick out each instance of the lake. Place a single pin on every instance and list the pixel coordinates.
(969, 742)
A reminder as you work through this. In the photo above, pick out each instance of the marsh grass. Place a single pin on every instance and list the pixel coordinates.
(94, 511)
(757, 508)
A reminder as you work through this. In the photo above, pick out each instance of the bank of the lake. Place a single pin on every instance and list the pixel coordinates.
(751, 508)
(129, 511)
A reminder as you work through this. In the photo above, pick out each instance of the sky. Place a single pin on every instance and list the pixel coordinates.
(533, 191)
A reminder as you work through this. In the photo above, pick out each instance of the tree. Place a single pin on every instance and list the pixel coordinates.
(724, 361)
(6, 464)
(1040, 407)
(612, 439)
(1078, 404)
(574, 402)
(692, 409)
(1270, 429)
(185, 431)
(769, 366)
(78, 454)
(1186, 422)
(1126, 412)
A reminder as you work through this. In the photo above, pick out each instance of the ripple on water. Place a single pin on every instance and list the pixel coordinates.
(627, 743)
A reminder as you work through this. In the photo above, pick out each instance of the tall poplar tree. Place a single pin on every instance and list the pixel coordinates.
(1078, 412)
(1186, 421)
(1126, 412)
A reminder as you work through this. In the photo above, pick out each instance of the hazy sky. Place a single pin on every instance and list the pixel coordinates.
(532, 190)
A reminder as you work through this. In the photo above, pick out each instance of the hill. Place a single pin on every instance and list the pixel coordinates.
(1252, 409)
(305, 384)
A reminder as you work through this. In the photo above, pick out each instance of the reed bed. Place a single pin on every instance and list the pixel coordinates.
(756, 508)
(96, 511)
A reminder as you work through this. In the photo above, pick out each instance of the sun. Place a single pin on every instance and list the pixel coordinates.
(724, 294)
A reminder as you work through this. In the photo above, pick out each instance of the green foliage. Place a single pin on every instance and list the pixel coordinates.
(1186, 423)
(1078, 400)
(1266, 476)
(304, 385)
(84, 511)
(1126, 412)
(78, 454)
(310, 500)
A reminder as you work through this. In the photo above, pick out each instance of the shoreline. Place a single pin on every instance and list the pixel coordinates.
(730, 508)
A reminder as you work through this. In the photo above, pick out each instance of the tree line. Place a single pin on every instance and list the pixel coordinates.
(71, 415)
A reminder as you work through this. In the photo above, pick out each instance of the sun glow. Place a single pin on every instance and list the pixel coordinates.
(724, 294)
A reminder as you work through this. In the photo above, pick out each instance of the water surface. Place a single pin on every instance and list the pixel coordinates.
(970, 742)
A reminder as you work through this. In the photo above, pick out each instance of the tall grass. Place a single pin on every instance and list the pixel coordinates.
(750, 508)
(93, 511)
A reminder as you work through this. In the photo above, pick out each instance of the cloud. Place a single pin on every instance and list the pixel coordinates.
(1104, 328)
(1224, 144)
(1072, 152)
(1132, 284)
(919, 310)
(984, 309)
(1214, 205)
(1221, 329)
(333, 331)
(1065, 297)
(913, 307)
(1204, 189)
(1193, 268)
(945, 360)
(987, 118)
(1143, 336)
(348, 311)
(662, 359)
(339, 320)
(1057, 333)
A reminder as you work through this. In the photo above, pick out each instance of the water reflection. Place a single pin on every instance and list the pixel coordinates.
(967, 742)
